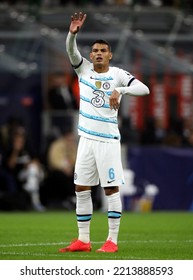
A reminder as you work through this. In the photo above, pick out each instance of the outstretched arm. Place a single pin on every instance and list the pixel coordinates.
(77, 21)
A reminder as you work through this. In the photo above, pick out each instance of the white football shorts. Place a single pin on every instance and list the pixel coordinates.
(98, 162)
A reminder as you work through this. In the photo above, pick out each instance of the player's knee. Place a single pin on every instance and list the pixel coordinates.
(111, 190)
(79, 188)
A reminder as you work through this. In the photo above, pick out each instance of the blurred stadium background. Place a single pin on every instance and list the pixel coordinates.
(151, 39)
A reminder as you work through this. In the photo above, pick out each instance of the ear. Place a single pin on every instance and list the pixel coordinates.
(91, 56)
(110, 56)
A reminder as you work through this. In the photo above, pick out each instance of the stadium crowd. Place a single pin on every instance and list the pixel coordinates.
(39, 181)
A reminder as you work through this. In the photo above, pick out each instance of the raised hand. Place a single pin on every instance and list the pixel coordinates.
(77, 21)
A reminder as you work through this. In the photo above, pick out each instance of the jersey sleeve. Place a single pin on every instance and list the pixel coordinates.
(72, 50)
(78, 62)
(125, 77)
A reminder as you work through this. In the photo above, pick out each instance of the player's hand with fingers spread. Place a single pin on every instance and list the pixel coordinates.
(114, 100)
(77, 21)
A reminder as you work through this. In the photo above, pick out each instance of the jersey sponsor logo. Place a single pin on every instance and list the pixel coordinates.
(110, 181)
(98, 101)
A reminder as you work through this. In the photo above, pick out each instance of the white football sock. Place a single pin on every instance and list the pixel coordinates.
(114, 216)
(84, 210)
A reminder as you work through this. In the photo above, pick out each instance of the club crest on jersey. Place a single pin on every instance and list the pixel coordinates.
(98, 84)
(106, 85)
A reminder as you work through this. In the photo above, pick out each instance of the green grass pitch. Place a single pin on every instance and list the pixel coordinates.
(143, 236)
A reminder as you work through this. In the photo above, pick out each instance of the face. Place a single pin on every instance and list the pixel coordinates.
(100, 56)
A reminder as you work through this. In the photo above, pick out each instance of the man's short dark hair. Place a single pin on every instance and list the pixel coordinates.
(102, 42)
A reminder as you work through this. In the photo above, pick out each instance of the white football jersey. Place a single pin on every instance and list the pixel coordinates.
(96, 119)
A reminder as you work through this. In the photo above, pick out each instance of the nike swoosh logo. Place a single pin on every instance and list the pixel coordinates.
(110, 181)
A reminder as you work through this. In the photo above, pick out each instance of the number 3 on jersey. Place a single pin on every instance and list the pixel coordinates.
(98, 101)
